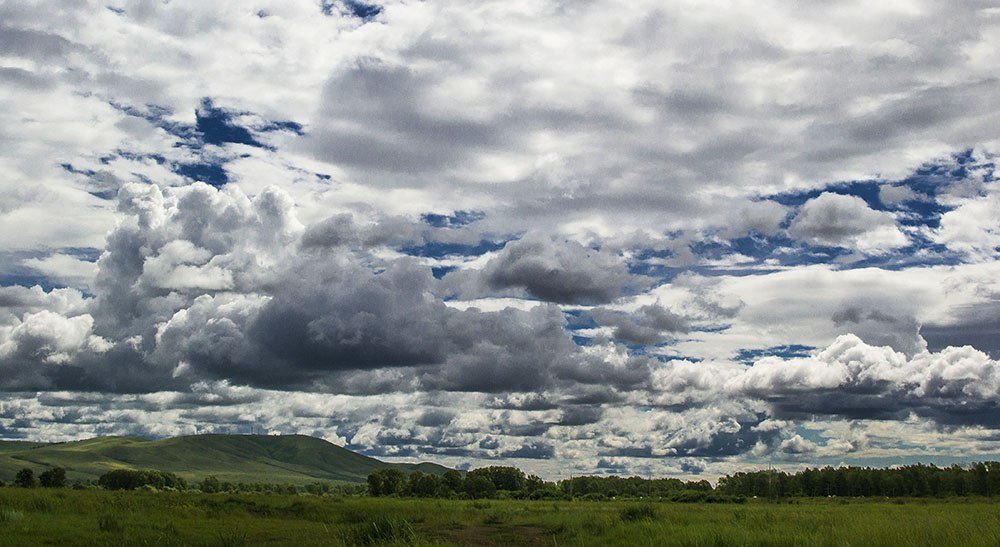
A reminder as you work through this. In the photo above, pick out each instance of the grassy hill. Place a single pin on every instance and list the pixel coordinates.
(294, 459)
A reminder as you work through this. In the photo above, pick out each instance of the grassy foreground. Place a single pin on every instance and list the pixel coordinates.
(96, 517)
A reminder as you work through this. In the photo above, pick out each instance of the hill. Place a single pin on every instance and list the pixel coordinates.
(293, 459)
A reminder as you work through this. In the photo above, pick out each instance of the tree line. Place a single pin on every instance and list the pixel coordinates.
(979, 479)
(919, 480)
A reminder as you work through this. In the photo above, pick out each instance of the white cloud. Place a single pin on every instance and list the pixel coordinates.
(846, 221)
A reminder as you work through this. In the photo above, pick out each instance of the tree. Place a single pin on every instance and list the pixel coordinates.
(533, 483)
(130, 479)
(53, 478)
(477, 486)
(423, 485)
(385, 482)
(502, 477)
(452, 480)
(25, 478)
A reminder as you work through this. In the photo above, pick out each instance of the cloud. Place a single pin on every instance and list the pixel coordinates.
(420, 235)
(846, 221)
(649, 324)
(562, 272)
(973, 227)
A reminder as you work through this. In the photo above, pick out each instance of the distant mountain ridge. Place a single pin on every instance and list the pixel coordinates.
(292, 459)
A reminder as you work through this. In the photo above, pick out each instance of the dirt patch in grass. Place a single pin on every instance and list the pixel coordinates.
(496, 536)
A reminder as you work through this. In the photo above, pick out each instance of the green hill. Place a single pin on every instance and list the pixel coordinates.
(293, 459)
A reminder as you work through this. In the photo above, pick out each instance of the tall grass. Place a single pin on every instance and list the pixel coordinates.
(96, 517)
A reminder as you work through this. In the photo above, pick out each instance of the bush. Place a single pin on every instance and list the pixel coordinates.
(53, 478)
(210, 485)
(131, 479)
(635, 512)
(25, 478)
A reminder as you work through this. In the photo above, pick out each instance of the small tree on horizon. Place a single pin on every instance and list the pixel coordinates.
(25, 478)
(53, 478)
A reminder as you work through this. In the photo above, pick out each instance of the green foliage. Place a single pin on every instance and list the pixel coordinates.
(982, 479)
(503, 477)
(25, 478)
(53, 478)
(130, 479)
(210, 485)
(478, 486)
(452, 480)
(424, 486)
(385, 482)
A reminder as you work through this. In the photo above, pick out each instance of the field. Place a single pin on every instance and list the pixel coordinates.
(97, 517)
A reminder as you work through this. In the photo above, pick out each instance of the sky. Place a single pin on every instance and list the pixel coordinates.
(666, 238)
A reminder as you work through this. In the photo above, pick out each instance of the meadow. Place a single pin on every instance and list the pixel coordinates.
(99, 517)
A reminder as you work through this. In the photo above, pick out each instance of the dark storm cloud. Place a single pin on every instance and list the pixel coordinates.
(977, 325)
(536, 450)
(580, 415)
(563, 272)
(880, 328)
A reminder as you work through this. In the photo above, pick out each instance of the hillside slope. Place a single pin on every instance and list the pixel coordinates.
(295, 459)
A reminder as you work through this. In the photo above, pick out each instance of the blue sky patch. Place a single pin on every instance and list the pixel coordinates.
(216, 126)
(437, 249)
(354, 8)
(748, 356)
(458, 218)
(210, 173)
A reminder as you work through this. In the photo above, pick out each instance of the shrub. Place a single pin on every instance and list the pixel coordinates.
(130, 479)
(25, 478)
(53, 478)
(210, 485)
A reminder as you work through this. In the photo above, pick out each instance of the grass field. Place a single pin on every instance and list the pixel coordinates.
(97, 517)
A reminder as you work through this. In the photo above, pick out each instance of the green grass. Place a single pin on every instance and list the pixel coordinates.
(97, 517)
(291, 459)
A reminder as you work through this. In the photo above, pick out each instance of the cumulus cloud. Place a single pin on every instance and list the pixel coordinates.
(973, 227)
(846, 221)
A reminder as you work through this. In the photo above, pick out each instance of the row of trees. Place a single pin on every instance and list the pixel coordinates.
(980, 479)
(488, 482)
(50, 478)
(485, 482)
(133, 479)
